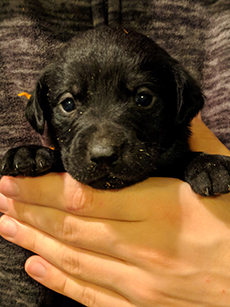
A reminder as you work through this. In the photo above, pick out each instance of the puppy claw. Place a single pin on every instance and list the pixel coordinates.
(41, 164)
(3, 167)
(17, 166)
(207, 192)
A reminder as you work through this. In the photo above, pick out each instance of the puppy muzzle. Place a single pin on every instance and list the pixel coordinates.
(106, 156)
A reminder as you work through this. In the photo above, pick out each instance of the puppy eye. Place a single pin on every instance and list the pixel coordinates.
(67, 103)
(145, 99)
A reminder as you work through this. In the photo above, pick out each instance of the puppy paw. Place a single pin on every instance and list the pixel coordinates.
(29, 161)
(209, 175)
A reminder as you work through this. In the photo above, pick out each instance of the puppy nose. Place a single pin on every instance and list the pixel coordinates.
(103, 155)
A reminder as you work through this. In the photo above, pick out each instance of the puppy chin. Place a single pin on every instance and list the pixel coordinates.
(112, 182)
(106, 180)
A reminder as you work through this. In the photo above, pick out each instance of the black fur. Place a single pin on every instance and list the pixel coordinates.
(118, 110)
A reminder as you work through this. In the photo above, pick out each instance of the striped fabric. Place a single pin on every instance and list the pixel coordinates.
(196, 32)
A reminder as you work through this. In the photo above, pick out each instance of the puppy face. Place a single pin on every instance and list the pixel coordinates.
(117, 106)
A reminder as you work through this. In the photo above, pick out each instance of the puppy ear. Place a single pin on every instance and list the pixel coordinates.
(190, 99)
(37, 105)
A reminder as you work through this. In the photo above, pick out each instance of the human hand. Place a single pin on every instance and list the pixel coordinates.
(152, 244)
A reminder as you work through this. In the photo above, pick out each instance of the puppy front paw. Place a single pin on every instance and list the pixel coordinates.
(30, 161)
(209, 175)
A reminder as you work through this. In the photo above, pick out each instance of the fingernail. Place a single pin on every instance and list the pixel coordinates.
(3, 204)
(36, 269)
(8, 187)
(8, 227)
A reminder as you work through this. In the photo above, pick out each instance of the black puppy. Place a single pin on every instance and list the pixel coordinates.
(118, 110)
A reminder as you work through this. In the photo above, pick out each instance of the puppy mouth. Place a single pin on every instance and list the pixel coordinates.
(110, 181)
(104, 176)
(107, 182)
(99, 177)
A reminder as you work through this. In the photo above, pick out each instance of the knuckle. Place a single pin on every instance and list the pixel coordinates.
(61, 285)
(145, 295)
(65, 228)
(24, 213)
(81, 199)
(88, 297)
(71, 262)
(32, 243)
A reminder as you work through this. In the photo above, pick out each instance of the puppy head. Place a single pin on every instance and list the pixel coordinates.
(117, 106)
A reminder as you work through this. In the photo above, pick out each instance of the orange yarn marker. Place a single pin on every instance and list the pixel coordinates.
(24, 94)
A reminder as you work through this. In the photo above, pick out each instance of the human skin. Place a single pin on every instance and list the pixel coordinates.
(152, 244)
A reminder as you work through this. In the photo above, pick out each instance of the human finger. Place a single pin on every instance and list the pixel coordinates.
(112, 236)
(99, 235)
(158, 292)
(93, 268)
(79, 290)
(98, 277)
(75, 198)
